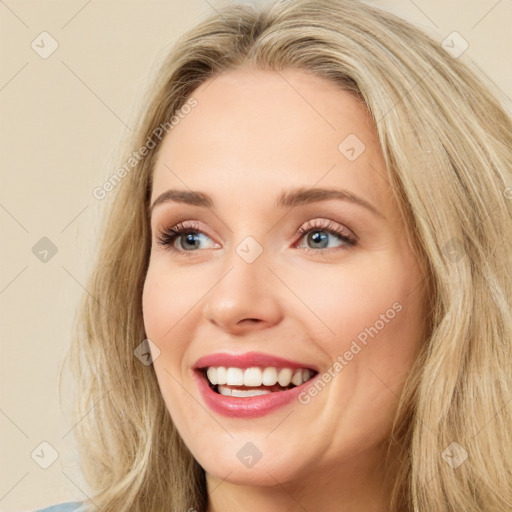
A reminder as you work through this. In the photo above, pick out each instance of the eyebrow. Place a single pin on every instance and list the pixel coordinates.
(287, 199)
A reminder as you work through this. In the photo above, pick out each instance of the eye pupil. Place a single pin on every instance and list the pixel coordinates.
(191, 238)
(317, 237)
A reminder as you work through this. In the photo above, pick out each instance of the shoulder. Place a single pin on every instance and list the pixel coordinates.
(70, 506)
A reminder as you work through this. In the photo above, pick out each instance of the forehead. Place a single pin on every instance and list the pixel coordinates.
(254, 133)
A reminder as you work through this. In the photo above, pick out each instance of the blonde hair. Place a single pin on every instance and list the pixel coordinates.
(447, 144)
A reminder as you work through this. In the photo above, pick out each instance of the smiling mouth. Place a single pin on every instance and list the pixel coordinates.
(254, 381)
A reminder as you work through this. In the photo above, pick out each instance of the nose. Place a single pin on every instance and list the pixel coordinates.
(245, 298)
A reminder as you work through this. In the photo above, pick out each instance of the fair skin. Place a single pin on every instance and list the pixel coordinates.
(253, 135)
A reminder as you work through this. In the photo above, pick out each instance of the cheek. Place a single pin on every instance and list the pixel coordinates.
(374, 305)
(343, 300)
(164, 305)
(156, 305)
(371, 315)
(167, 299)
(165, 302)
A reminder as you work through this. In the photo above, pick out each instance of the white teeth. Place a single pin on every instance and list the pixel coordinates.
(269, 376)
(235, 377)
(221, 375)
(256, 377)
(285, 377)
(224, 391)
(297, 378)
(306, 375)
(227, 391)
(249, 392)
(212, 375)
(253, 377)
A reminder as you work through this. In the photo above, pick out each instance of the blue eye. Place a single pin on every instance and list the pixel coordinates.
(189, 237)
(318, 233)
(319, 238)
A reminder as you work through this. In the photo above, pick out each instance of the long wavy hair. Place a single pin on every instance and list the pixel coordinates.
(447, 145)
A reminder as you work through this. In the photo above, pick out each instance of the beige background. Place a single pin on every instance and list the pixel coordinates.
(61, 120)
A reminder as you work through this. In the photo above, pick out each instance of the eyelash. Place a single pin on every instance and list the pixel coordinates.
(330, 227)
(168, 236)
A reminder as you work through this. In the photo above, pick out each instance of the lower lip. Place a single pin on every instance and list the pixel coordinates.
(246, 407)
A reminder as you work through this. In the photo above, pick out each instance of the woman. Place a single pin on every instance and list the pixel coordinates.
(301, 298)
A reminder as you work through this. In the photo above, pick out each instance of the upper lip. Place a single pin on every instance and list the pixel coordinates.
(248, 360)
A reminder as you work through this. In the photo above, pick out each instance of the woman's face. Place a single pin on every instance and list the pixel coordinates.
(276, 279)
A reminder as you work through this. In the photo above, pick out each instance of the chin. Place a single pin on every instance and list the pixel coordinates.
(261, 474)
(240, 462)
